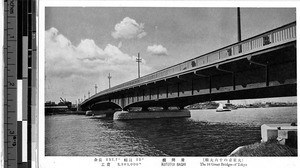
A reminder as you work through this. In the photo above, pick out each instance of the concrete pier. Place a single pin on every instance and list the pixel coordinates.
(283, 133)
(276, 140)
(125, 115)
(99, 112)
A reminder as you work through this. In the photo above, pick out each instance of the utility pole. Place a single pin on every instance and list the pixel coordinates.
(109, 77)
(139, 60)
(96, 88)
(239, 24)
(88, 94)
(239, 36)
(77, 105)
(84, 97)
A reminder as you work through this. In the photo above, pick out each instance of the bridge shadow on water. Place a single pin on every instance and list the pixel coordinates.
(186, 137)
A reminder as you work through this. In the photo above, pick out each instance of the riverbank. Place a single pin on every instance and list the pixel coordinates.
(66, 112)
(272, 148)
(277, 140)
(214, 105)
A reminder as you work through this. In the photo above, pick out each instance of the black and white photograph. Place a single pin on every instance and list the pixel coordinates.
(169, 82)
(149, 83)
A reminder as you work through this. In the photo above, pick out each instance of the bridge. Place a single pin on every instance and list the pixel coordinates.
(258, 67)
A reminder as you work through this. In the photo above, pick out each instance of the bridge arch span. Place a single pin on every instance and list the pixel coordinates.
(104, 105)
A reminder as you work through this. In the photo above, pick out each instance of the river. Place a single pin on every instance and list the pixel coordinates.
(205, 133)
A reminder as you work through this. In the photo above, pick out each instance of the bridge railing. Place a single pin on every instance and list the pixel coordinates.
(272, 37)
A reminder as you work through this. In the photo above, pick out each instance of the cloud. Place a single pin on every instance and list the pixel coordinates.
(120, 44)
(71, 68)
(157, 50)
(128, 28)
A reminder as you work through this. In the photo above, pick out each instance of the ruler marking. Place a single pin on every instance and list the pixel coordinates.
(8, 123)
(19, 47)
(20, 39)
(10, 28)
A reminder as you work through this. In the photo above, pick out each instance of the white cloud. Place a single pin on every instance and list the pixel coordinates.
(120, 44)
(128, 28)
(157, 50)
(66, 64)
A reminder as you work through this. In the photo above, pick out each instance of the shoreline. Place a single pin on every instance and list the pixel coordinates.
(271, 148)
(241, 108)
(277, 140)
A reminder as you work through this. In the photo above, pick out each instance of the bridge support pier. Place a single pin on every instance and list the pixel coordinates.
(125, 115)
(145, 109)
(100, 113)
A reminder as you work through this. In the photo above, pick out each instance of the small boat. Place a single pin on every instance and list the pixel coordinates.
(89, 113)
(99, 116)
(222, 108)
(231, 106)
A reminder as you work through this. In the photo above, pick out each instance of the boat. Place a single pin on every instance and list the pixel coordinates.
(89, 113)
(222, 108)
(99, 116)
(231, 106)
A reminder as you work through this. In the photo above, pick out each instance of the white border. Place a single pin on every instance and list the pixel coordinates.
(74, 162)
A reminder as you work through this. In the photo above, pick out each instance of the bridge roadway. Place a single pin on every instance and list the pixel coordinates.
(259, 67)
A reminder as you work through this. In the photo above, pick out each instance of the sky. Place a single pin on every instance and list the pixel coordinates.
(84, 44)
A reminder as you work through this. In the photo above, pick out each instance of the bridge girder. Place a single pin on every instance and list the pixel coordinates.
(270, 73)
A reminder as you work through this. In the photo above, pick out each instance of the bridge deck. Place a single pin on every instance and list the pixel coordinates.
(267, 41)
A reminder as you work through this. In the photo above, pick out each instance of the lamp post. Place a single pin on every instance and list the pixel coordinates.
(109, 77)
(139, 60)
(96, 88)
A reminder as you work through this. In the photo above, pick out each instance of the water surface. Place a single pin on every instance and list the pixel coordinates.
(206, 133)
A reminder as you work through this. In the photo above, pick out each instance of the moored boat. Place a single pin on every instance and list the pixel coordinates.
(222, 108)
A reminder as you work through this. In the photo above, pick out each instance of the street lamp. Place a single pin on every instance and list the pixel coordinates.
(109, 77)
(96, 88)
(139, 60)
